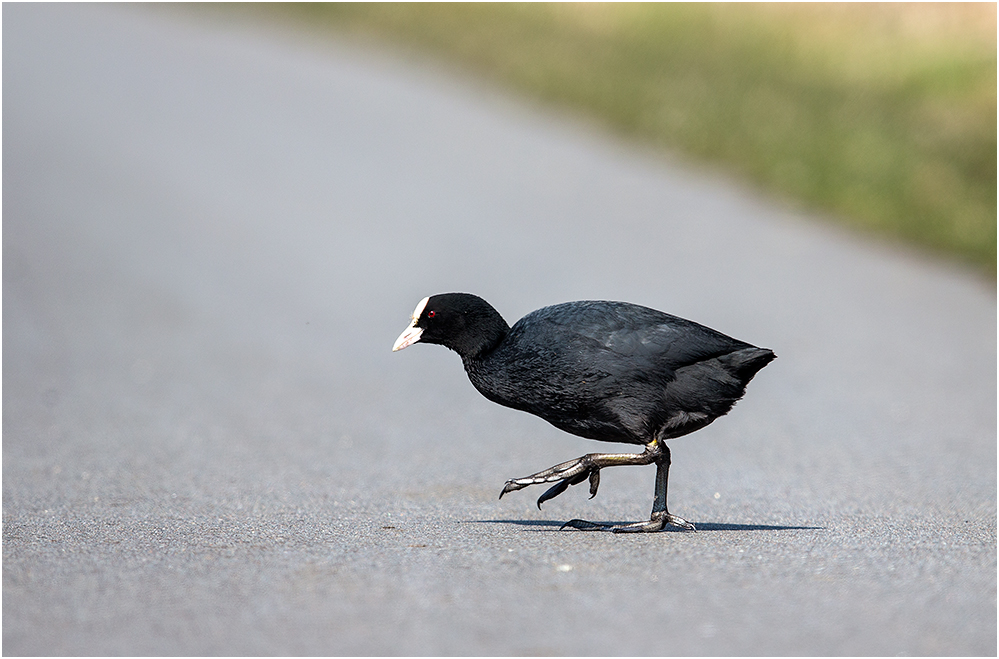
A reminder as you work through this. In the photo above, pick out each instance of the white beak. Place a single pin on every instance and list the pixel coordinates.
(412, 333)
(409, 337)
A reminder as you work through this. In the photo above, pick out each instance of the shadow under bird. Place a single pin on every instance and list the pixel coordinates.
(612, 371)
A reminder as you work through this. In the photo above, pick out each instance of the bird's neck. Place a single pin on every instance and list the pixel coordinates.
(478, 345)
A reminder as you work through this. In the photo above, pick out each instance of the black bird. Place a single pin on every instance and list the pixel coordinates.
(612, 371)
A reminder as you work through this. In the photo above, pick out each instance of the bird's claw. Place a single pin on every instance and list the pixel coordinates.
(679, 521)
(512, 486)
(568, 473)
(594, 482)
(553, 492)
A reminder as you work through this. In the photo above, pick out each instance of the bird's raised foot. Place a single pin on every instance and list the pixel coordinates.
(568, 473)
(658, 522)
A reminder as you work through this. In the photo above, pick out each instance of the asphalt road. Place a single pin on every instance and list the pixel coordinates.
(213, 233)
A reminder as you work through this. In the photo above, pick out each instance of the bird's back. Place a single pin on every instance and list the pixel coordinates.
(616, 371)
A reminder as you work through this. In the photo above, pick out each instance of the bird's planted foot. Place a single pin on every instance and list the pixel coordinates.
(658, 522)
(563, 475)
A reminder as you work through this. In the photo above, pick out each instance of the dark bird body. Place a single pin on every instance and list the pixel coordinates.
(610, 371)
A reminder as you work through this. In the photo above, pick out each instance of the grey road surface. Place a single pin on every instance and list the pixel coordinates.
(212, 234)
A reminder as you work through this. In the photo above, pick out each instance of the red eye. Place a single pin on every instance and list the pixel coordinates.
(431, 314)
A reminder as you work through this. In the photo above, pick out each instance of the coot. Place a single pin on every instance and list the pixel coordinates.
(611, 371)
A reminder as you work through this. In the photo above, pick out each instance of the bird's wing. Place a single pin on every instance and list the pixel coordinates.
(637, 336)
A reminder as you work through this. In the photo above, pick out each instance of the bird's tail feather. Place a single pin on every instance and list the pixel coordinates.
(746, 363)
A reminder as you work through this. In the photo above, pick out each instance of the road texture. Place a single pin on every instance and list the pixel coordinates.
(213, 233)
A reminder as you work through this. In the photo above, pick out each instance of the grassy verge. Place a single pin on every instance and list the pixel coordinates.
(883, 115)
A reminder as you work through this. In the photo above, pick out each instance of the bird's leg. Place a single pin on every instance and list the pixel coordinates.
(660, 515)
(580, 469)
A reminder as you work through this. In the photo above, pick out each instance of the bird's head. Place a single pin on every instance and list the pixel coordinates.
(462, 322)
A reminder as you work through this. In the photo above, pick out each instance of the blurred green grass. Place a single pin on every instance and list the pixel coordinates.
(882, 115)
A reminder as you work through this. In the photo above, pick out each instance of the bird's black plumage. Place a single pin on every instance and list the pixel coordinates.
(610, 371)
